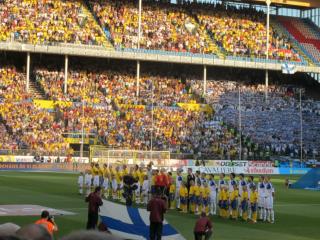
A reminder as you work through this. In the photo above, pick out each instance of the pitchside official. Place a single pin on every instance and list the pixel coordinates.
(157, 208)
(95, 201)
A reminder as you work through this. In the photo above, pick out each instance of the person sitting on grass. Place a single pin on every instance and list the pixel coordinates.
(203, 227)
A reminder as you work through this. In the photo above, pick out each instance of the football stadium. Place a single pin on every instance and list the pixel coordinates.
(159, 119)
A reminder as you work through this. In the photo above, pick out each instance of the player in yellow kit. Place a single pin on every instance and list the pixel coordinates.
(244, 203)
(95, 175)
(223, 201)
(197, 197)
(253, 202)
(172, 190)
(234, 202)
(118, 177)
(183, 192)
(206, 198)
(192, 197)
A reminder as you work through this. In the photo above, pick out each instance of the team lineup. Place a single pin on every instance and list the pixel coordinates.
(235, 198)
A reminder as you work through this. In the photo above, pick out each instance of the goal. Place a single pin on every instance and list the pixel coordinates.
(130, 157)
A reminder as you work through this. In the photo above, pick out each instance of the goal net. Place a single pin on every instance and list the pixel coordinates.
(130, 157)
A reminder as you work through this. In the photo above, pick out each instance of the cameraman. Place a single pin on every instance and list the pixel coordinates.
(48, 222)
(129, 186)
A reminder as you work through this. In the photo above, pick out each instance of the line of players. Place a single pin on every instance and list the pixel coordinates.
(234, 199)
(231, 199)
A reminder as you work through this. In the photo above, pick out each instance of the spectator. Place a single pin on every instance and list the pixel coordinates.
(94, 200)
(8, 229)
(34, 232)
(48, 222)
(85, 235)
(203, 227)
(157, 208)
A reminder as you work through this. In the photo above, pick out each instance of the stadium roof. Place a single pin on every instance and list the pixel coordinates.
(287, 3)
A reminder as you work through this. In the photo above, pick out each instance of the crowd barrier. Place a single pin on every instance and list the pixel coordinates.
(50, 167)
(214, 167)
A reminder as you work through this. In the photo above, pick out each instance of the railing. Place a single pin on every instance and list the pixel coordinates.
(150, 55)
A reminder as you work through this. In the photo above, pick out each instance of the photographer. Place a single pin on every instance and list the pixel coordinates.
(48, 222)
(129, 186)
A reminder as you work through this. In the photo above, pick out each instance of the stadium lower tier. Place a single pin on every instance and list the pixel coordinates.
(169, 114)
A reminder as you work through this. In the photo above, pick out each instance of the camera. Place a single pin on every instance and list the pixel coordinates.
(51, 219)
(128, 188)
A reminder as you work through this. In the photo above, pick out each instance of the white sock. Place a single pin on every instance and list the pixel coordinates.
(272, 215)
(249, 212)
(265, 213)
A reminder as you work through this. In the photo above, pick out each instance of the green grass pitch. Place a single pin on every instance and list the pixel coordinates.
(297, 212)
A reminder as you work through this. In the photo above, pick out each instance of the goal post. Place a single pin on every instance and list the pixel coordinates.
(129, 157)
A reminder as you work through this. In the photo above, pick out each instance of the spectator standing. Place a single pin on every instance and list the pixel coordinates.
(95, 201)
(203, 227)
(48, 222)
(157, 208)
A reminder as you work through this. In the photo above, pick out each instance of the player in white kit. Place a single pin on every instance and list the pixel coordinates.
(269, 195)
(213, 195)
(88, 182)
(261, 200)
(145, 190)
(81, 183)
(178, 184)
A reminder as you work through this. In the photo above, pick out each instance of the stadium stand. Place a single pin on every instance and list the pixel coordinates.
(242, 32)
(32, 127)
(120, 119)
(49, 22)
(188, 28)
(303, 32)
(164, 26)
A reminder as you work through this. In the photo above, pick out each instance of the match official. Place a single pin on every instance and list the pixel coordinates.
(157, 208)
(95, 201)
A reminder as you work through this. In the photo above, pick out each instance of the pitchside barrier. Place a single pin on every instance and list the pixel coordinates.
(212, 166)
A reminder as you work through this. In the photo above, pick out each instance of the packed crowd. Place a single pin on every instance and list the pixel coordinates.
(117, 117)
(30, 126)
(97, 86)
(50, 21)
(242, 32)
(169, 27)
(163, 26)
(275, 125)
(195, 193)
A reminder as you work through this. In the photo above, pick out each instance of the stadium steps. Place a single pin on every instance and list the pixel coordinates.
(314, 27)
(298, 47)
(35, 90)
(219, 51)
(87, 11)
(290, 25)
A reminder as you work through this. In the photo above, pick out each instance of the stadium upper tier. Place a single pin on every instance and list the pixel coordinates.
(48, 22)
(119, 119)
(189, 28)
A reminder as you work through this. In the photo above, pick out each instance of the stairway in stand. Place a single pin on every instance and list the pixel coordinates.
(35, 90)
